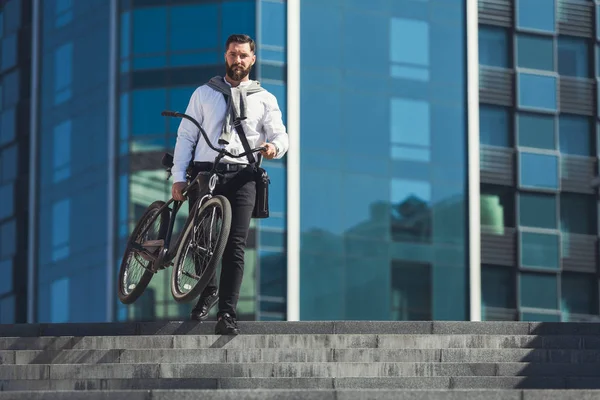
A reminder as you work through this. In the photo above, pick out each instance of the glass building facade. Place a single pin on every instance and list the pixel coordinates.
(539, 148)
(15, 62)
(383, 190)
(390, 162)
(166, 50)
(71, 178)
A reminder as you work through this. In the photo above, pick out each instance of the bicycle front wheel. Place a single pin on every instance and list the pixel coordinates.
(144, 244)
(201, 249)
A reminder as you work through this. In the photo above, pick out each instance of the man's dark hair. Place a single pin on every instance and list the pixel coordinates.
(240, 38)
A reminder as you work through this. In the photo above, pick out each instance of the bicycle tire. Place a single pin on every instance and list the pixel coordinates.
(211, 265)
(127, 296)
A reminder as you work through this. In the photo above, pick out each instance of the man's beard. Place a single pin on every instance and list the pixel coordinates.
(235, 73)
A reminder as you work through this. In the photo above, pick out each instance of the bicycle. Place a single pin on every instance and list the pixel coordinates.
(155, 250)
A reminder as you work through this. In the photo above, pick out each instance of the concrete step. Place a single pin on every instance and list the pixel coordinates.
(338, 394)
(294, 370)
(296, 341)
(438, 382)
(305, 327)
(278, 355)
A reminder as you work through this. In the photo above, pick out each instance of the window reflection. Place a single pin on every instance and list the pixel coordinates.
(536, 15)
(7, 200)
(273, 22)
(63, 73)
(535, 52)
(536, 130)
(538, 170)
(538, 210)
(573, 57)
(194, 27)
(540, 250)
(8, 125)
(494, 126)
(63, 12)
(537, 91)
(493, 47)
(575, 134)
(498, 286)
(6, 269)
(8, 170)
(61, 229)
(9, 52)
(150, 30)
(148, 103)
(62, 151)
(497, 207)
(578, 213)
(59, 300)
(411, 291)
(8, 235)
(579, 294)
(410, 211)
(538, 290)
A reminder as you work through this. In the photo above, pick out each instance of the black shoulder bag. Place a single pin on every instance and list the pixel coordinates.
(261, 203)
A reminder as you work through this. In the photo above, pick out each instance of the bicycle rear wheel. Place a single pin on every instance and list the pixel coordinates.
(144, 244)
(201, 248)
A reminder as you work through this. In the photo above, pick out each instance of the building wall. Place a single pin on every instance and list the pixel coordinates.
(538, 135)
(72, 172)
(15, 38)
(383, 189)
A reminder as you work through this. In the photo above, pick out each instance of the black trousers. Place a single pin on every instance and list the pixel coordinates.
(240, 189)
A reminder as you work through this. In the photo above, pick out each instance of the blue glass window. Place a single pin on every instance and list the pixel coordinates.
(494, 126)
(575, 134)
(61, 229)
(573, 57)
(578, 213)
(540, 250)
(537, 210)
(579, 293)
(539, 290)
(6, 269)
(273, 23)
(498, 286)
(150, 30)
(59, 300)
(8, 237)
(149, 103)
(9, 166)
(7, 199)
(125, 34)
(62, 151)
(538, 170)
(230, 25)
(536, 130)
(537, 91)
(194, 27)
(63, 12)
(8, 125)
(7, 305)
(9, 52)
(536, 15)
(535, 52)
(494, 47)
(63, 73)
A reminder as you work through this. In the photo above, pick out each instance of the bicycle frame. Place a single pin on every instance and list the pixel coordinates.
(166, 255)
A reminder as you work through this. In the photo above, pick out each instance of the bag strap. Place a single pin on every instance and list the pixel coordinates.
(240, 131)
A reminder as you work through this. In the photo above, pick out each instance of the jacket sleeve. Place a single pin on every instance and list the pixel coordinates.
(273, 126)
(187, 137)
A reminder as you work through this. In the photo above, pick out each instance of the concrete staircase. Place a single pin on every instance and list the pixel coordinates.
(301, 360)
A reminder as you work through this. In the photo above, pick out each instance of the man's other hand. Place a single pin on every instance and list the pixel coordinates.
(271, 151)
(176, 190)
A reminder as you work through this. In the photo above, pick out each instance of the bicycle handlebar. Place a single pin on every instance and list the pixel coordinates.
(168, 113)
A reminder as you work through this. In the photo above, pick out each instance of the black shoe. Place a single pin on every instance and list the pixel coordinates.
(205, 303)
(227, 325)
